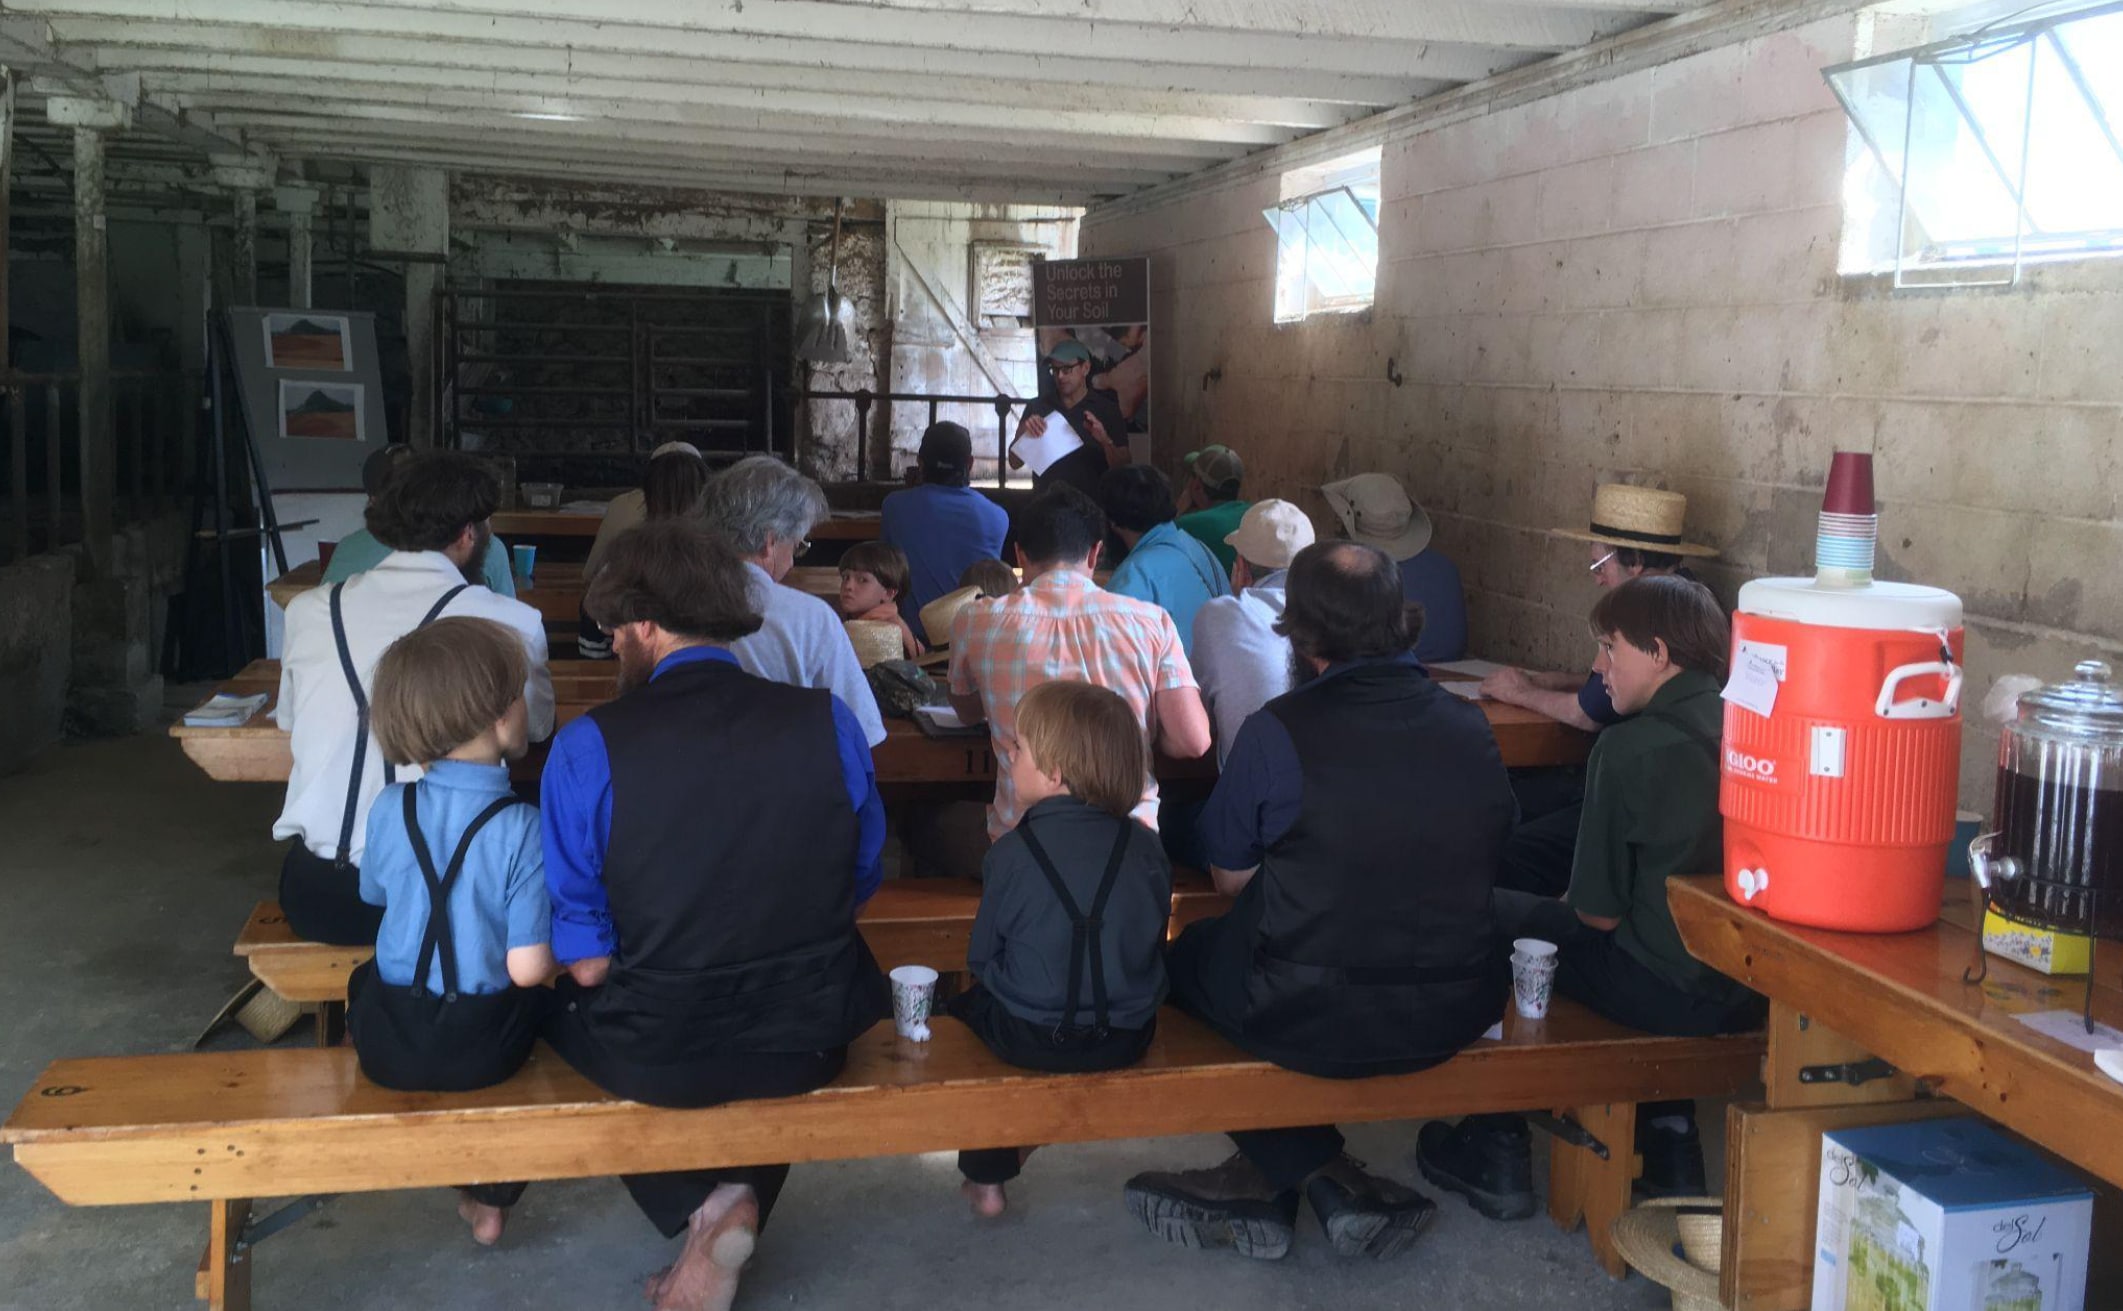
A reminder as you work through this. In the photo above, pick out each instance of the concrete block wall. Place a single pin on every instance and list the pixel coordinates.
(1637, 280)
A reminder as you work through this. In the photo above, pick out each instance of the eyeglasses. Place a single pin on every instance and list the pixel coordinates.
(803, 547)
(1601, 563)
(1063, 366)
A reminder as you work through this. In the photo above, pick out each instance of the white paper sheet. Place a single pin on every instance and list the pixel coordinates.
(2069, 1028)
(225, 711)
(1039, 453)
(1753, 684)
(1471, 668)
(940, 716)
(1464, 691)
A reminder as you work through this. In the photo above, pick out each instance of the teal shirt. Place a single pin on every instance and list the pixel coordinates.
(1211, 526)
(1171, 570)
(358, 552)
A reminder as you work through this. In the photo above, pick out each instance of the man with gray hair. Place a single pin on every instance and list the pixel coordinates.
(765, 510)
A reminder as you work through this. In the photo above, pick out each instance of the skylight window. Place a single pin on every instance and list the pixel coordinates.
(1326, 233)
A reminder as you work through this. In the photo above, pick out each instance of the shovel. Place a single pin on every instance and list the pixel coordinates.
(822, 334)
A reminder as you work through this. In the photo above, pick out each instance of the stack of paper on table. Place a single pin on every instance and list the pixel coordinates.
(1469, 668)
(943, 721)
(225, 711)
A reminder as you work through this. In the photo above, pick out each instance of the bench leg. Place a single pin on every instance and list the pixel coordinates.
(331, 1023)
(1581, 1186)
(225, 1271)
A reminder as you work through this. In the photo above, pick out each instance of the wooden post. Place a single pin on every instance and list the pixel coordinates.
(1581, 1186)
(93, 344)
(17, 430)
(243, 249)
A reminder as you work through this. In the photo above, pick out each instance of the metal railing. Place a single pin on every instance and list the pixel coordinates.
(863, 399)
(155, 443)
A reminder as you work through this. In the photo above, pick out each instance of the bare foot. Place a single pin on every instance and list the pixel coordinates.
(486, 1221)
(989, 1200)
(719, 1240)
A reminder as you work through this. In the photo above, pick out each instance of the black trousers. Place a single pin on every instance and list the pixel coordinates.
(1538, 855)
(323, 902)
(1034, 1047)
(1207, 965)
(670, 1198)
(426, 1045)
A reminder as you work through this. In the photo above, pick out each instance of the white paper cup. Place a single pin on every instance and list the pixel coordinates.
(913, 989)
(1532, 976)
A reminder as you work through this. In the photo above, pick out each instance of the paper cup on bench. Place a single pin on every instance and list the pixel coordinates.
(913, 991)
(1532, 975)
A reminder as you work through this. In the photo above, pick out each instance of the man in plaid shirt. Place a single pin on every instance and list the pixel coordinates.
(1062, 625)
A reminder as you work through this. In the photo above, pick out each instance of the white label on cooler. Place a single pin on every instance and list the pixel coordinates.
(1753, 684)
(1776, 655)
(1826, 760)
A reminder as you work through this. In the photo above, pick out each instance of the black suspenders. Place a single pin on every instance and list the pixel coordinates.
(438, 936)
(1086, 929)
(361, 715)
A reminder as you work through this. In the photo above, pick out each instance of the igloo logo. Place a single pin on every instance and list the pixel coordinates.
(1758, 768)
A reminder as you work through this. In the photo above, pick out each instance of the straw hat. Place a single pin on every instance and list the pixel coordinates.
(1639, 518)
(1377, 511)
(936, 616)
(874, 641)
(1646, 1238)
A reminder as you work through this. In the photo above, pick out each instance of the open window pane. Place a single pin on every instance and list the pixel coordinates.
(1326, 231)
(2075, 178)
(2096, 46)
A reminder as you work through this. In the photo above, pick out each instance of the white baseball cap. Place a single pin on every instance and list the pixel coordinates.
(1271, 534)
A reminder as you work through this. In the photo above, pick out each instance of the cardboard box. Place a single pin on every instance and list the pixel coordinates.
(2041, 949)
(1947, 1215)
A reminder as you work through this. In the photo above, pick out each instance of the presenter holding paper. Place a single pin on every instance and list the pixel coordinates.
(1093, 412)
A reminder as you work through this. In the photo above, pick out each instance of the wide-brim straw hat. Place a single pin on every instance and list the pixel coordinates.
(1647, 1236)
(1377, 511)
(875, 641)
(1639, 518)
(937, 616)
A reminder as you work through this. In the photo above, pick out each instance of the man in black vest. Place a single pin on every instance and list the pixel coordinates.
(1358, 822)
(708, 837)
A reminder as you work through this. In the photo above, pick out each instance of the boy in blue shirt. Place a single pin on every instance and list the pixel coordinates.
(453, 998)
(1068, 944)
(1165, 565)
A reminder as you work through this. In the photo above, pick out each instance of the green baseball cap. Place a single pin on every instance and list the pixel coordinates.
(1069, 351)
(1216, 466)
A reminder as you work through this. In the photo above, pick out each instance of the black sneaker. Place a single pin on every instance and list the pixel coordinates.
(1673, 1162)
(1230, 1205)
(1486, 1159)
(1365, 1214)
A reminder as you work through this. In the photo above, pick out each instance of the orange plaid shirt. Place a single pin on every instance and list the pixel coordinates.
(1063, 626)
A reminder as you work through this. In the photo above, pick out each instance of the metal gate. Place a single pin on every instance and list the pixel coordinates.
(577, 383)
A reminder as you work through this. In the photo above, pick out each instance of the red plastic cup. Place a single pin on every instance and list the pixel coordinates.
(1849, 484)
(324, 555)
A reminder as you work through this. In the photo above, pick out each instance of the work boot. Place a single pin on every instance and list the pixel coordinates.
(1673, 1159)
(1230, 1205)
(1366, 1214)
(1487, 1159)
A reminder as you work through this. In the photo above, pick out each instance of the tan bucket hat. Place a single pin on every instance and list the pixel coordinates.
(937, 616)
(874, 640)
(1376, 510)
(1640, 518)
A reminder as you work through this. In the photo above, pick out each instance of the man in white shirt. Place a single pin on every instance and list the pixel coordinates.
(1239, 658)
(765, 510)
(433, 516)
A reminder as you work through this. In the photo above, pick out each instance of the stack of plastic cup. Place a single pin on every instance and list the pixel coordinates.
(1532, 975)
(1850, 523)
(913, 992)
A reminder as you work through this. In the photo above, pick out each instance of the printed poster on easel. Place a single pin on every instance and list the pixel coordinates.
(1105, 305)
(312, 394)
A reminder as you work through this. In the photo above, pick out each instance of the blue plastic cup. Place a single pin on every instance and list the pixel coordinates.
(523, 558)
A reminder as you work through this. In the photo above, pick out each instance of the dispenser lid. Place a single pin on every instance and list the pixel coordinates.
(1873, 605)
(2086, 708)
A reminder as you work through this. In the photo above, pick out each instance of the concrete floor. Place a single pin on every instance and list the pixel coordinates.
(126, 875)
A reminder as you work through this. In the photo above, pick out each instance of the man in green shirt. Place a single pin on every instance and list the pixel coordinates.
(359, 551)
(1209, 508)
(1651, 812)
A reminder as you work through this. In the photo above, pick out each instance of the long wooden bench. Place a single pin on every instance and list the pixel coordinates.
(225, 1127)
(908, 922)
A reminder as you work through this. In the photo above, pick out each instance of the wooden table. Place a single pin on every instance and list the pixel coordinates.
(1839, 998)
(848, 526)
(908, 760)
(555, 589)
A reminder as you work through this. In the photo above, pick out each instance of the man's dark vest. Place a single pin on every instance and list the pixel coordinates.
(730, 873)
(1374, 943)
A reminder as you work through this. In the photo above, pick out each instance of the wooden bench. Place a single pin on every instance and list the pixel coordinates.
(225, 1127)
(908, 922)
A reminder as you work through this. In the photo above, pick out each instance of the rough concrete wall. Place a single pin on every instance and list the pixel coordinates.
(33, 655)
(828, 428)
(1638, 280)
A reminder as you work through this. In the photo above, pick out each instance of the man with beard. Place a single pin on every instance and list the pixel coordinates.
(432, 514)
(1357, 823)
(1094, 412)
(708, 838)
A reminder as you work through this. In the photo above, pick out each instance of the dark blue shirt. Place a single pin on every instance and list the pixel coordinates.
(1433, 582)
(942, 530)
(1262, 786)
(575, 796)
(1597, 705)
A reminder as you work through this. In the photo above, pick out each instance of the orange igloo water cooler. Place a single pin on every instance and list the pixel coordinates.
(1839, 800)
